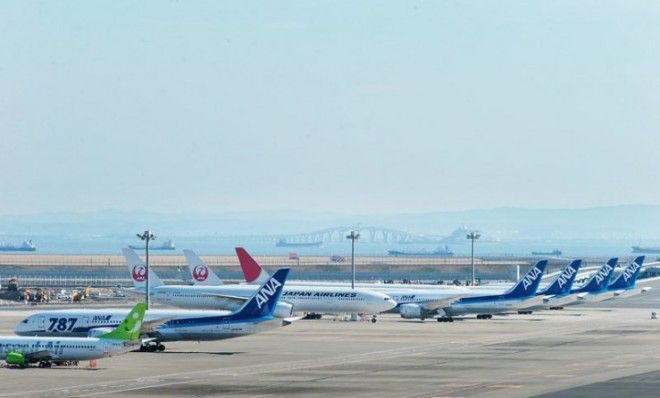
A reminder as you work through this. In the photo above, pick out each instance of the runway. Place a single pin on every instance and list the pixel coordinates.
(581, 351)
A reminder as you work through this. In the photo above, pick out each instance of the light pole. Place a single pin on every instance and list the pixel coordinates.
(147, 236)
(474, 235)
(353, 237)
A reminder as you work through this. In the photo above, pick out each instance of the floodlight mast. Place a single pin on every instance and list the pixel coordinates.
(474, 235)
(147, 236)
(353, 237)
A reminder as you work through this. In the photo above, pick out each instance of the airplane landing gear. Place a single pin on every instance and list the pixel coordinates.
(484, 316)
(445, 319)
(312, 316)
(556, 308)
(45, 364)
(374, 319)
(524, 312)
(152, 347)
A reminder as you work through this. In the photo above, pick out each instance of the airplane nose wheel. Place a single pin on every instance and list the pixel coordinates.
(374, 319)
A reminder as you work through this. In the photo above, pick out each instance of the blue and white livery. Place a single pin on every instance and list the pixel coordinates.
(595, 289)
(256, 315)
(625, 284)
(558, 293)
(521, 295)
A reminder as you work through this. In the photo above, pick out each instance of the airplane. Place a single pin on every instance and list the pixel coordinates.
(624, 285)
(201, 274)
(255, 316)
(520, 296)
(595, 289)
(422, 304)
(254, 273)
(306, 299)
(428, 300)
(22, 351)
(558, 293)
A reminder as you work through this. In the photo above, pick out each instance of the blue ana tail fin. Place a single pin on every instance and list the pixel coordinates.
(265, 299)
(564, 282)
(601, 278)
(629, 275)
(529, 283)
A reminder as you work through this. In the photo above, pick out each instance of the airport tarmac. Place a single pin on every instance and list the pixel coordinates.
(609, 349)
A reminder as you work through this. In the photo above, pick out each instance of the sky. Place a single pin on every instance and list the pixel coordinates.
(338, 106)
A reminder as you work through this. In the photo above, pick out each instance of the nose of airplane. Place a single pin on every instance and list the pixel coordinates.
(22, 327)
(388, 304)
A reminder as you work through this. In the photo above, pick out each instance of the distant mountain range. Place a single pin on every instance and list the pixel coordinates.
(626, 222)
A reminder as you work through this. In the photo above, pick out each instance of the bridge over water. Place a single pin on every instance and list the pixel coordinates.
(338, 234)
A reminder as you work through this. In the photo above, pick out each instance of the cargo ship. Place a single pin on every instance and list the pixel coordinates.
(439, 252)
(284, 243)
(641, 249)
(26, 246)
(555, 252)
(167, 245)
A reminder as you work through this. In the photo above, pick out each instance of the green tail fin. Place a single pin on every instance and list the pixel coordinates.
(130, 327)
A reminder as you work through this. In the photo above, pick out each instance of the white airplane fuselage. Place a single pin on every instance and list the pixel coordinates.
(317, 299)
(179, 325)
(64, 349)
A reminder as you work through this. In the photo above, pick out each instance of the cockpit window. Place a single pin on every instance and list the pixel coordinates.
(25, 320)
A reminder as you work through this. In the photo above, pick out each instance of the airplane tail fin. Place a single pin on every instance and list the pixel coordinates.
(251, 269)
(201, 274)
(130, 327)
(529, 283)
(138, 270)
(265, 299)
(629, 275)
(564, 282)
(601, 278)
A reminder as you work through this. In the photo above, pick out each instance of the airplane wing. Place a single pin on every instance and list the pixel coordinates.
(229, 302)
(547, 298)
(290, 320)
(440, 303)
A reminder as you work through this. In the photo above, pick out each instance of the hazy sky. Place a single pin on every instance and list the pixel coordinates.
(366, 106)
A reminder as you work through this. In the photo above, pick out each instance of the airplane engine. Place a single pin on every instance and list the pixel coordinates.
(283, 310)
(16, 358)
(410, 311)
(98, 332)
